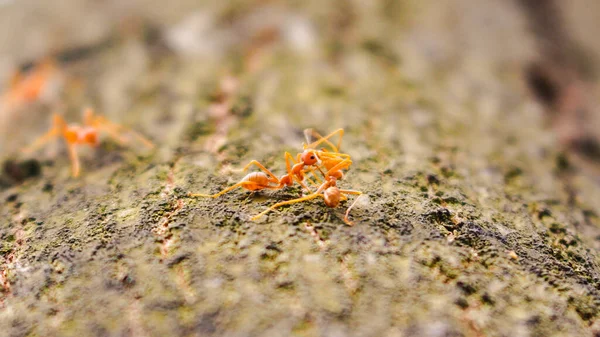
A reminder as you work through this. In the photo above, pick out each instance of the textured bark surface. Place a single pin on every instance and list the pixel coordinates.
(481, 217)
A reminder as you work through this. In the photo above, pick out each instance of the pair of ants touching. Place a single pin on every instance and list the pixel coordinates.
(329, 163)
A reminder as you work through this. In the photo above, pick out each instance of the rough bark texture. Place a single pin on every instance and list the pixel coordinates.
(481, 217)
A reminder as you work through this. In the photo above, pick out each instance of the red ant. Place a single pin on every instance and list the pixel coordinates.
(86, 134)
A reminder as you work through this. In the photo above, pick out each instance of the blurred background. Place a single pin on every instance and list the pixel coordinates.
(98, 49)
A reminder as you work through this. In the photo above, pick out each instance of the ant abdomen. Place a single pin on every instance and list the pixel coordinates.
(332, 196)
(259, 178)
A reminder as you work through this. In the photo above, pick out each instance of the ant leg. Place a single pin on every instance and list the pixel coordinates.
(340, 166)
(88, 117)
(319, 180)
(348, 222)
(264, 169)
(244, 184)
(15, 79)
(315, 176)
(310, 180)
(74, 159)
(288, 166)
(115, 130)
(289, 202)
(310, 134)
(301, 183)
(11, 97)
(326, 154)
(325, 139)
(322, 173)
(41, 141)
(58, 126)
(288, 158)
(147, 143)
(353, 192)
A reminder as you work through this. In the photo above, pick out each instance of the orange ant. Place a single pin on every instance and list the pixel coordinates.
(32, 85)
(330, 193)
(334, 162)
(86, 134)
(256, 181)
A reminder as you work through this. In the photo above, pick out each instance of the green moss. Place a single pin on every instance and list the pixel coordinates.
(199, 129)
(6, 248)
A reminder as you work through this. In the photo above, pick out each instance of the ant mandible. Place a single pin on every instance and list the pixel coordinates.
(86, 134)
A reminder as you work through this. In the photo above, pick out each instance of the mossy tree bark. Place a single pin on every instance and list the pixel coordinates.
(478, 220)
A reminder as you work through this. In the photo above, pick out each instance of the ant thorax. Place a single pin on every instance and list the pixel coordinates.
(82, 135)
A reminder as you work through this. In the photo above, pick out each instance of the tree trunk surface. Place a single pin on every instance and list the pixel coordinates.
(482, 190)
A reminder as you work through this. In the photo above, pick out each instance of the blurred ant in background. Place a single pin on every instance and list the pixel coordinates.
(86, 134)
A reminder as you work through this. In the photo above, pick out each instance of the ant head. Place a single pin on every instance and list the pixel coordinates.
(309, 157)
